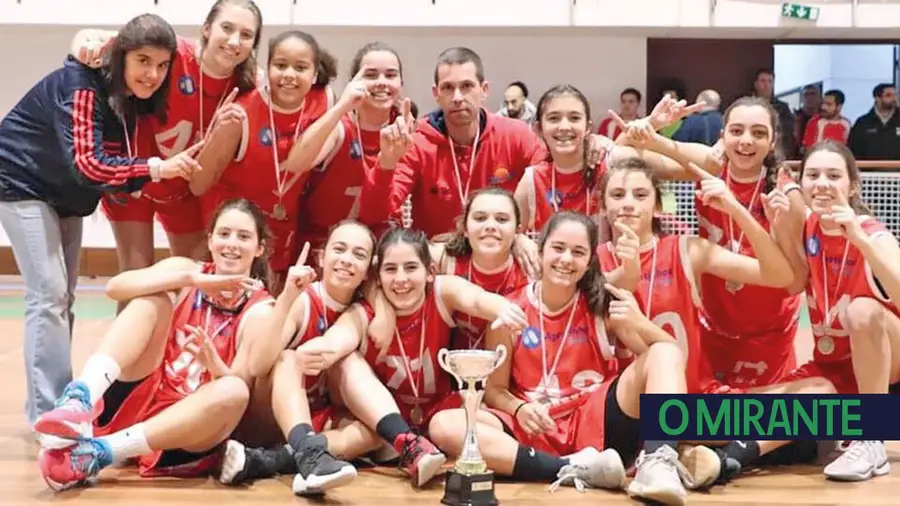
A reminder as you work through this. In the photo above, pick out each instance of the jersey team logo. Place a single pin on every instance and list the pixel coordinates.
(531, 338)
(554, 198)
(500, 175)
(186, 85)
(265, 137)
(812, 246)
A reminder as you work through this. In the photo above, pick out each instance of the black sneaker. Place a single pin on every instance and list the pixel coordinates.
(242, 465)
(318, 470)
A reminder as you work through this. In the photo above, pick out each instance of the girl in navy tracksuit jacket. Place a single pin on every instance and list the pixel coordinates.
(66, 141)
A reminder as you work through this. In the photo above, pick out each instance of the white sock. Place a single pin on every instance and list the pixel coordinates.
(98, 374)
(127, 443)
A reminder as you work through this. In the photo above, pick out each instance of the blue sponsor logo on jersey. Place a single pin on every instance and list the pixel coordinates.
(531, 338)
(265, 136)
(812, 246)
(186, 85)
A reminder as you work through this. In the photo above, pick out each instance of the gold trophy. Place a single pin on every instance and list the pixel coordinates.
(470, 483)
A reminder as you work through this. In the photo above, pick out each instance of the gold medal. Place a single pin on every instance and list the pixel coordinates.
(279, 213)
(733, 286)
(825, 345)
(416, 416)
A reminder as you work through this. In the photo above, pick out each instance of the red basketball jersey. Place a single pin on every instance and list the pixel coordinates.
(192, 101)
(253, 176)
(333, 187)
(551, 190)
(725, 304)
(409, 359)
(320, 313)
(182, 372)
(470, 330)
(577, 361)
(838, 273)
(667, 293)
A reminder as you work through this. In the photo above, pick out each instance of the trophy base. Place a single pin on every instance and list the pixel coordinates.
(469, 489)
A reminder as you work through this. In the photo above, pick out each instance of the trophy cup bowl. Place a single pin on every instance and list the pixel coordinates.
(470, 483)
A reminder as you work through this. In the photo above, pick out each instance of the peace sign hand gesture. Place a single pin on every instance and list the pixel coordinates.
(639, 133)
(668, 111)
(299, 276)
(397, 138)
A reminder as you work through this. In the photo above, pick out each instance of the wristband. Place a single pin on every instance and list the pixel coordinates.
(516, 412)
(153, 164)
(790, 187)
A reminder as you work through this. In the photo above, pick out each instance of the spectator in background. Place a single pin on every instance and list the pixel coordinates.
(516, 104)
(810, 104)
(764, 87)
(876, 135)
(629, 102)
(704, 127)
(828, 124)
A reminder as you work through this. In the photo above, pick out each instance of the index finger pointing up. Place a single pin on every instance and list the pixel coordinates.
(625, 230)
(618, 119)
(301, 260)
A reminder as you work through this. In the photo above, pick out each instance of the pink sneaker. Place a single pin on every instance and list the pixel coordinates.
(73, 417)
(66, 468)
(419, 456)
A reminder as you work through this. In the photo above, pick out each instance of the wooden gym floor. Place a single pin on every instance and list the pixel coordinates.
(21, 483)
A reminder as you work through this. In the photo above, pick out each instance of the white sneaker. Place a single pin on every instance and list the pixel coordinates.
(592, 468)
(862, 460)
(660, 477)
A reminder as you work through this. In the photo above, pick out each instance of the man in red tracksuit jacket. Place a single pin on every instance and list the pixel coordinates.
(454, 151)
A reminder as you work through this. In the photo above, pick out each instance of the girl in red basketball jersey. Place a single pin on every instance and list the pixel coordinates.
(203, 74)
(668, 268)
(852, 282)
(665, 270)
(480, 251)
(300, 403)
(343, 145)
(562, 395)
(396, 391)
(745, 348)
(248, 157)
(565, 180)
(169, 381)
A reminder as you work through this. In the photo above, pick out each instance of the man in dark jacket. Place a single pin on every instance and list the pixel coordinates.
(876, 134)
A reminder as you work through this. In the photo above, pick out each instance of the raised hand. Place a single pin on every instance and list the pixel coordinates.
(627, 247)
(842, 214)
(213, 284)
(638, 133)
(713, 191)
(397, 138)
(228, 113)
(775, 206)
(299, 276)
(668, 111)
(93, 50)
(182, 165)
(526, 254)
(201, 346)
(356, 91)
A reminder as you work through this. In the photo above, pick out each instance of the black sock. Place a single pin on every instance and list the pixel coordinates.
(652, 446)
(745, 452)
(391, 426)
(298, 434)
(534, 465)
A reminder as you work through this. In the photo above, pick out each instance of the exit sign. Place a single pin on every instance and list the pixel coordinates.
(799, 11)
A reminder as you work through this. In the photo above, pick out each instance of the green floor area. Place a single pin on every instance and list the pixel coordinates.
(97, 306)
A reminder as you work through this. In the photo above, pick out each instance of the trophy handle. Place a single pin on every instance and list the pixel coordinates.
(442, 361)
(501, 356)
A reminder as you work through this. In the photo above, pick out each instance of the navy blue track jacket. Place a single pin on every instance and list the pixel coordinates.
(61, 143)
